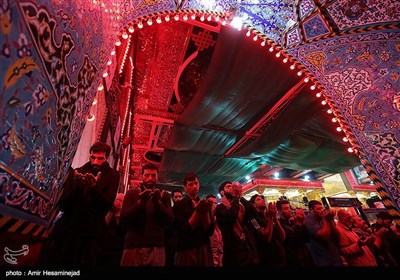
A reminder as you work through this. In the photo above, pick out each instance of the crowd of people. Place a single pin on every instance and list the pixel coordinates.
(148, 226)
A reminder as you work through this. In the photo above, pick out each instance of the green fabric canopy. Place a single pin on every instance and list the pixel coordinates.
(243, 83)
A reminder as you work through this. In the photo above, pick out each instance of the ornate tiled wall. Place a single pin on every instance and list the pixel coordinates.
(353, 49)
(53, 54)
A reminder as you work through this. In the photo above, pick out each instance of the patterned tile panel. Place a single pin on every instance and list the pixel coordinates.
(356, 13)
(305, 8)
(363, 81)
(293, 37)
(314, 26)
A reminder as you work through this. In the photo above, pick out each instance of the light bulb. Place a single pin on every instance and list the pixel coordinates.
(90, 117)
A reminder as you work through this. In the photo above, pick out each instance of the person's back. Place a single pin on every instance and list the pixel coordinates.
(112, 240)
(217, 243)
(171, 238)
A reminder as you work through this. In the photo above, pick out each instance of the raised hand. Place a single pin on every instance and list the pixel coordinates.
(330, 214)
(202, 206)
(237, 189)
(272, 207)
(166, 198)
(300, 216)
(271, 211)
(136, 191)
(145, 195)
(209, 205)
(98, 176)
(78, 177)
(156, 196)
(86, 179)
(381, 232)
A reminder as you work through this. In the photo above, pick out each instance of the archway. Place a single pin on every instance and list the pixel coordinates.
(54, 53)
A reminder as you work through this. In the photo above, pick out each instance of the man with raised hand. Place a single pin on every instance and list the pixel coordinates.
(146, 213)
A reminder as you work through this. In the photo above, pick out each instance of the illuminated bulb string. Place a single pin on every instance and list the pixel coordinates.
(125, 55)
(90, 117)
(224, 22)
(129, 98)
